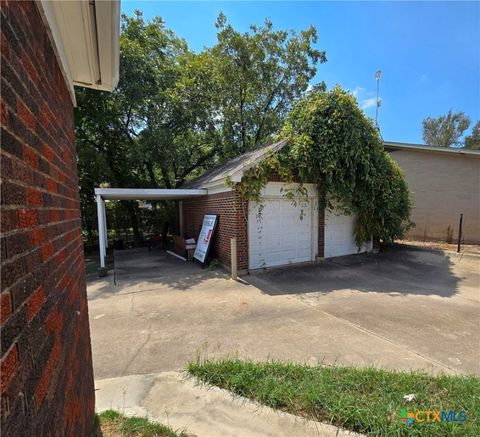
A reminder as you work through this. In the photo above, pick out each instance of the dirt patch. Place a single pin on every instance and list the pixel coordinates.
(109, 430)
(440, 245)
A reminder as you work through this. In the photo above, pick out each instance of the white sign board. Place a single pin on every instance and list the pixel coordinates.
(205, 237)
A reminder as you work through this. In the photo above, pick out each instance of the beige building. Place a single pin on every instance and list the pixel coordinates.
(445, 183)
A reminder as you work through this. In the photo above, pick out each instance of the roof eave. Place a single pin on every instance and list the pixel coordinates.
(424, 148)
(85, 38)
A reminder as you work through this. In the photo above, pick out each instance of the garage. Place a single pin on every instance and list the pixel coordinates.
(280, 230)
(277, 231)
(339, 236)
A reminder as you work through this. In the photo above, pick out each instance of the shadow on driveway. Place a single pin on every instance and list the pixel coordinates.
(399, 270)
(139, 270)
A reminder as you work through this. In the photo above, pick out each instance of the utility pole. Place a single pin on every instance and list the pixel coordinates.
(378, 75)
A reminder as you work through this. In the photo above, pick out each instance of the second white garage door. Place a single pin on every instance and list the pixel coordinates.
(339, 235)
(282, 234)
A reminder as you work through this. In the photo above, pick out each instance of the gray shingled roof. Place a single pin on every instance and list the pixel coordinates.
(236, 166)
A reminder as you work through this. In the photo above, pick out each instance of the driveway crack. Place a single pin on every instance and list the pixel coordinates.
(382, 337)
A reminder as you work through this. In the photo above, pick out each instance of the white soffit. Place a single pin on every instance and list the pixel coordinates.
(85, 35)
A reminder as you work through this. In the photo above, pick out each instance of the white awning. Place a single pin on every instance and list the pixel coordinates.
(103, 194)
(148, 193)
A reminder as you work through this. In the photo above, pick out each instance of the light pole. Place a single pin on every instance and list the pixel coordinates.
(378, 75)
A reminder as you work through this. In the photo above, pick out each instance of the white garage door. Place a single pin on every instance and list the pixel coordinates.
(281, 235)
(339, 237)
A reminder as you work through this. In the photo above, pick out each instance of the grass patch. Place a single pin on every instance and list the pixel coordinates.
(92, 264)
(368, 400)
(113, 424)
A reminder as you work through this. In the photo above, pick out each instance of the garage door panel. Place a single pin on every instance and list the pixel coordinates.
(282, 236)
(339, 235)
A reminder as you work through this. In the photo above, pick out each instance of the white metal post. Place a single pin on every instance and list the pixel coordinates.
(101, 229)
(105, 222)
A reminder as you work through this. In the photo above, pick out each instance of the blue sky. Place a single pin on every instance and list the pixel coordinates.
(429, 52)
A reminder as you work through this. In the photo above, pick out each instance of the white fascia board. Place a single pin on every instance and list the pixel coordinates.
(216, 186)
(237, 175)
(148, 193)
(108, 35)
(50, 22)
(85, 36)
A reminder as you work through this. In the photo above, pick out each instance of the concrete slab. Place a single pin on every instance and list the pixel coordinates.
(164, 312)
(402, 310)
(172, 398)
(425, 301)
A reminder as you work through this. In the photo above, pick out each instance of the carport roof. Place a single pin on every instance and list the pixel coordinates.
(148, 193)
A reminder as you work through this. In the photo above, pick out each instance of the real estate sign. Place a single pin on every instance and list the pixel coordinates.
(205, 237)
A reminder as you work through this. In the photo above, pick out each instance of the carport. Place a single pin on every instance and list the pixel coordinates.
(103, 194)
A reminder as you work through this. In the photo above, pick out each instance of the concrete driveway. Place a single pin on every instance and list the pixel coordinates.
(404, 309)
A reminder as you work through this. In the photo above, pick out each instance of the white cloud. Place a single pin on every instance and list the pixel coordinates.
(366, 99)
(357, 91)
(368, 103)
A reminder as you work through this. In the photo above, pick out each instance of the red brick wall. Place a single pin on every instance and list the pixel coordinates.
(231, 223)
(46, 366)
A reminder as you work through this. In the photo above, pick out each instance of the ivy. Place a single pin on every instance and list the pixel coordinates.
(333, 144)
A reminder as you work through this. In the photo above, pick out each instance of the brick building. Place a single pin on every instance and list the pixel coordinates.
(46, 365)
(445, 183)
(276, 232)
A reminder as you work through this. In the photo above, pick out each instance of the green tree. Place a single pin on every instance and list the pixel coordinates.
(333, 144)
(176, 113)
(262, 73)
(154, 129)
(472, 141)
(108, 125)
(446, 130)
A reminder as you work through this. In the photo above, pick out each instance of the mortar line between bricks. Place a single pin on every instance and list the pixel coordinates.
(23, 142)
(29, 252)
(74, 261)
(34, 132)
(36, 152)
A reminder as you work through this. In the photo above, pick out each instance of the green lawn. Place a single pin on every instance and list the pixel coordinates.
(369, 400)
(113, 424)
(92, 264)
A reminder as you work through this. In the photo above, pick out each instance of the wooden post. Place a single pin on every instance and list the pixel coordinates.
(180, 217)
(233, 257)
(460, 233)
